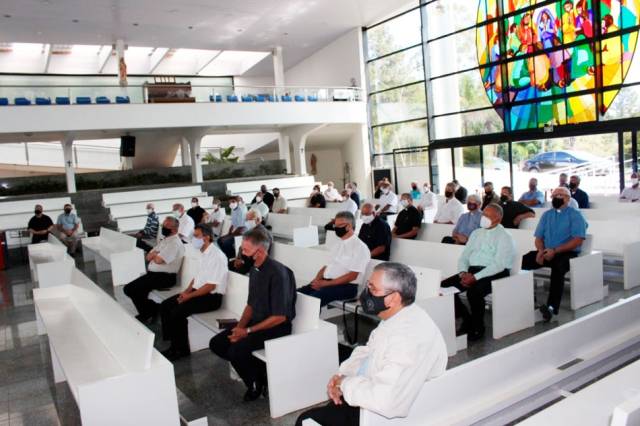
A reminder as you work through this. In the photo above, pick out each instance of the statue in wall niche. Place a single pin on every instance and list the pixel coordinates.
(314, 163)
(122, 72)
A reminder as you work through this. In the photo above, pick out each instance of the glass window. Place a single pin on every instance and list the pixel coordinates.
(395, 70)
(467, 124)
(404, 135)
(447, 16)
(396, 34)
(468, 172)
(442, 169)
(401, 104)
(495, 162)
(453, 53)
(458, 92)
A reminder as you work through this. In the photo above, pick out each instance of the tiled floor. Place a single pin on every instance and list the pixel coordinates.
(29, 397)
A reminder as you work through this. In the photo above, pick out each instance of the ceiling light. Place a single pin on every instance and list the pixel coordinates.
(135, 24)
(190, 27)
(285, 34)
(7, 15)
(240, 30)
(75, 21)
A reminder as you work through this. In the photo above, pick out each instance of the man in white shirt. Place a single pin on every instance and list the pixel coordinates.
(388, 201)
(215, 218)
(331, 194)
(204, 294)
(185, 230)
(451, 210)
(347, 204)
(349, 258)
(260, 206)
(403, 352)
(631, 194)
(428, 204)
(164, 263)
(279, 202)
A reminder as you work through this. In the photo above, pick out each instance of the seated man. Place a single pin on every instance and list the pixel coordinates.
(150, 231)
(331, 194)
(489, 255)
(266, 197)
(451, 210)
(164, 263)
(559, 236)
(349, 258)
(196, 212)
(489, 195)
(467, 223)
(403, 352)
(461, 191)
(514, 211)
(428, 201)
(533, 197)
(215, 218)
(316, 199)
(631, 194)
(415, 192)
(270, 309)
(67, 226)
(387, 202)
(260, 206)
(39, 225)
(408, 220)
(241, 264)
(226, 242)
(581, 197)
(352, 187)
(375, 233)
(204, 294)
(279, 202)
(186, 223)
(347, 204)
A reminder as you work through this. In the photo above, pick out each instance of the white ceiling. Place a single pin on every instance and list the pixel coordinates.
(300, 26)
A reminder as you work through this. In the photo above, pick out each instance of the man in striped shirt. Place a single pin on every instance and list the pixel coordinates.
(150, 231)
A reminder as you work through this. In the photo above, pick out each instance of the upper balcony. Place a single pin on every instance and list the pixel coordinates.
(33, 110)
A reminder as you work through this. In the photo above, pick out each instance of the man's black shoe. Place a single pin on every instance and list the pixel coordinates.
(546, 312)
(253, 392)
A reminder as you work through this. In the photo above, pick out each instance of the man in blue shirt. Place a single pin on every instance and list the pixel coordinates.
(533, 197)
(67, 226)
(467, 223)
(226, 242)
(147, 237)
(578, 194)
(559, 236)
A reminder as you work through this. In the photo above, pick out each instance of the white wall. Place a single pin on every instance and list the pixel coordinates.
(253, 81)
(356, 153)
(329, 165)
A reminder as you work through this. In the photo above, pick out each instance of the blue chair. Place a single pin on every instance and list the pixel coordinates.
(22, 101)
(232, 98)
(261, 98)
(312, 98)
(271, 98)
(4, 101)
(63, 100)
(248, 98)
(122, 100)
(103, 100)
(286, 98)
(218, 98)
(83, 100)
(43, 101)
(299, 98)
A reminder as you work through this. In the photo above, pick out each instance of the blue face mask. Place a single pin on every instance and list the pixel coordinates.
(197, 243)
(250, 224)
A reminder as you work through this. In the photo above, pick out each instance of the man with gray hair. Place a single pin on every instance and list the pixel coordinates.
(402, 353)
(349, 258)
(467, 222)
(187, 225)
(147, 237)
(488, 255)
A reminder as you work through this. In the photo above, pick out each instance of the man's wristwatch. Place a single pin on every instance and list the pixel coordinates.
(248, 330)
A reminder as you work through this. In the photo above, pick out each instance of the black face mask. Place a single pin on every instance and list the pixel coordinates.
(67, 211)
(557, 202)
(38, 211)
(504, 198)
(248, 260)
(166, 231)
(488, 193)
(341, 232)
(371, 304)
(572, 186)
(414, 187)
(275, 194)
(448, 194)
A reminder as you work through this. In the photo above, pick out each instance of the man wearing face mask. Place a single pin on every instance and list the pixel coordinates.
(196, 212)
(226, 242)
(428, 205)
(488, 255)
(270, 309)
(260, 206)
(279, 202)
(467, 222)
(631, 194)
(451, 210)
(215, 218)
(388, 201)
(408, 220)
(353, 192)
(347, 204)
(489, 195)
(331, 194)
(514, 212)
(150, 232)
(559, 237)
(67, 226)
(40, 225)
(581, 197)
(533, 197)
(461, 192)
(563, 180)
(349, 258)
(240, 263)
(204, 294)
(164, 263)
(386, 375)
(185, 231)
(375, 233)
(415, 192)
(266, 196)
(316, 199)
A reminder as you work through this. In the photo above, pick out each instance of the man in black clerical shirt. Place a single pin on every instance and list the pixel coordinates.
(196, 212)
(39, 225)
(514, 211)
(408, 221)
(375, 233)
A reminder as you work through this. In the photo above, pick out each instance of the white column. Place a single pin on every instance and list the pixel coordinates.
(67, 150)
(196, 162)
(126, 163)
(283, 151)
(299, 156)
(184, 151)
(278, 66)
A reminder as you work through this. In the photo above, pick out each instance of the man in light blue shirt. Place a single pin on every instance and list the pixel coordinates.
(67, 226)
(226, 242)
(559, 236)
(533, 197)
(467, 223)
(488, 255)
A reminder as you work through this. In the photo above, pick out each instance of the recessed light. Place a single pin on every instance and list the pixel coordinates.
(39, 33)
(240, 30)
(7, 15)
(135, 24)
(75, 21)
(190, 27)
(285, 34)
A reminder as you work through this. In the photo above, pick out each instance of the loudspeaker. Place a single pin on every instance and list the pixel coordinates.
(127, 146)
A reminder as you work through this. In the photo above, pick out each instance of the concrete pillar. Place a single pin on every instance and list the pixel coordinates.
(283, 150)
(126, 163)
(67, 150)
(278, 66)
(298, 137)
(122, 63)
(184, 151)
(196, 161)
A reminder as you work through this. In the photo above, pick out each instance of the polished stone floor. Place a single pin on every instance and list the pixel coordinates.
(28, 395)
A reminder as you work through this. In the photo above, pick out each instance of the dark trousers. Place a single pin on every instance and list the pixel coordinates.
(329, 294)
(174, 317)
(448, 240)
(475, 295)
(248, 367)
(141, 244)
(227, 245)
(138, 291)
(331, 414)
(559, 267)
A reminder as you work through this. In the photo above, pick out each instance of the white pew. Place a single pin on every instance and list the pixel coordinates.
(500, 383)
(111, 198)
(319, 217)
(48, 259)
(106, 357)
(292, 188)
(306, 237)
(282, 225)
(164, 206)
(434, 232)
(427, 254)
(115, 252)
(627, 413)
(304, 262)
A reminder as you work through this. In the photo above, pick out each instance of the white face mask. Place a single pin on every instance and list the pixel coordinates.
(258, 199)
(367, 219)
(149, 211)
(176, 213)
(197, 243)
(194, 204)
(426, 189)
(385, 190)
(404, 203)
(233, 206)
(250, 224)
(216, 207)
(634, 181)
(485, 222)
